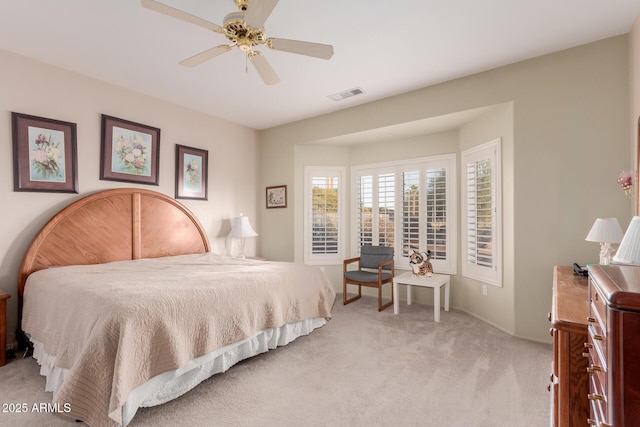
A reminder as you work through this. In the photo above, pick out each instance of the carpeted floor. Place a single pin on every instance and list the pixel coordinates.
(363, 368)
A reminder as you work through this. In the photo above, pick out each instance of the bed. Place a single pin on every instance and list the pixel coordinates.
(126, 306)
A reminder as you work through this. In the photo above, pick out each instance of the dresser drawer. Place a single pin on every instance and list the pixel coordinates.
(598, 402)
(597, 367)
(597, 341)
(598, 305)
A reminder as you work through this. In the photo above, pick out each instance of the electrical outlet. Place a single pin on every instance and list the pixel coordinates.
(485, 291)
(322, 268)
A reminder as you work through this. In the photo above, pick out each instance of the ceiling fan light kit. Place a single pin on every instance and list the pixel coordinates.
(245, 30)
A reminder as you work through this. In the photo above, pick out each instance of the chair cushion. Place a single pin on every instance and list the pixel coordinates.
(371, 256)
(365, 276)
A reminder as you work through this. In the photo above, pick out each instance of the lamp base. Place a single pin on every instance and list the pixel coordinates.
(241, 243)
(606, 253)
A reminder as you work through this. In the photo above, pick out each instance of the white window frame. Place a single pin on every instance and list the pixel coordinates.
(491, 275)
(421, 165)
(323, 171)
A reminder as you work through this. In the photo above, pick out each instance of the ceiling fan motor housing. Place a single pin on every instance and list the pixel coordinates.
(243, 35)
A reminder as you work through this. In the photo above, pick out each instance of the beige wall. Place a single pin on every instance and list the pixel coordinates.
(34, 88)
(570, 140)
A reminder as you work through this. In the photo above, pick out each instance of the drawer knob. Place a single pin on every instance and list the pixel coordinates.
(593, 396)
(591, 319)
(588, 345)
(594, 368)
(591, 422)
(598, 337)
(586, 355)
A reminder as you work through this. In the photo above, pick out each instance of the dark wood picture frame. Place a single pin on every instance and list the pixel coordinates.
(129, 152)
(45, 156)
(276, 197)
(192, 165)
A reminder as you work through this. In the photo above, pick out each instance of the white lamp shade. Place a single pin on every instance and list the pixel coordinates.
(605, 230)
(629, 249)
(241, 227)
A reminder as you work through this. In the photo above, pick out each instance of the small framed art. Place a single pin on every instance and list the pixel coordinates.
(277, 197)
(130, 152)
(44, 154)
(192, 165)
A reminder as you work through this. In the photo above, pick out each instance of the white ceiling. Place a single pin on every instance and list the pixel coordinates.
(384, 47)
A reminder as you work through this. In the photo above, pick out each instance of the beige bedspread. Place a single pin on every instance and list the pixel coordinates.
(117, 325)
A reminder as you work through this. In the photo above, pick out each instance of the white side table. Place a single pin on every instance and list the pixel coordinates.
(436, 282)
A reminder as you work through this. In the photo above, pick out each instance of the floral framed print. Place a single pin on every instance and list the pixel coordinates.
(277, 197)
(44, 154)
(191, 173)
(130, 152)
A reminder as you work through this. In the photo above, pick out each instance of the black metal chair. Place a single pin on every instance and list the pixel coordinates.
(375, 268)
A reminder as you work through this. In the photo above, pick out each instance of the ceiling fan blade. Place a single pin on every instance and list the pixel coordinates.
(179, 14)
(205, 56)
(262, 66)
(258, 11)
(324, 51)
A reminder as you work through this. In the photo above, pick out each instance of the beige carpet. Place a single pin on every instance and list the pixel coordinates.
(363, 368)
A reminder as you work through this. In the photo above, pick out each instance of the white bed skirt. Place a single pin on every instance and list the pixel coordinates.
(170, 385)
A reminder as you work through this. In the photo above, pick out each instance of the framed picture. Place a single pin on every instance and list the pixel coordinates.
(130, 152)
(44, 154)
(191, 173)
(277, 197)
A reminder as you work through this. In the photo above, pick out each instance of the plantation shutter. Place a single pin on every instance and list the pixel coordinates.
(325, 215)
(407, 205)
(386, 209)
(410, 212)
(436, 212)
(364, 214)
(480, 213)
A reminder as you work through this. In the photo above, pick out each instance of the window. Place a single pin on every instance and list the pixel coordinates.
(409, 205)
(323, 215)
(481, 213)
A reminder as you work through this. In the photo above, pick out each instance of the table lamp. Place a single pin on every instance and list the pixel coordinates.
(241, 229)
(629, 250)
(605, 231)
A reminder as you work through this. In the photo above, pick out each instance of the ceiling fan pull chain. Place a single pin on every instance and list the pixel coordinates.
(246, 64)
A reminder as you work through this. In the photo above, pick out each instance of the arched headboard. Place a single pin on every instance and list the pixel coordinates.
(114, 225)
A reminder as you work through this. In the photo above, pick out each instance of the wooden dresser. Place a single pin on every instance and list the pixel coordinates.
(614, 346)
(569, 380)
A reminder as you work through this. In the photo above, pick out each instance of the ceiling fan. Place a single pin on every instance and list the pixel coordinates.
(245, 30)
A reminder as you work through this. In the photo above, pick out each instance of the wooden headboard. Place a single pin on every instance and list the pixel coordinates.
(113, 225)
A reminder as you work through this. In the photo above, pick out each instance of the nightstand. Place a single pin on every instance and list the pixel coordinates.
(3, 327)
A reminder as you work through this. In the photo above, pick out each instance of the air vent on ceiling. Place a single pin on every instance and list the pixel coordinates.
(346, 94)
